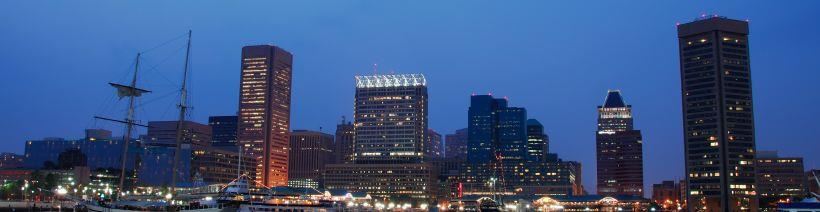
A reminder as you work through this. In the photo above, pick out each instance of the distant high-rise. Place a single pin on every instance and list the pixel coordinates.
(264, 110)
(537, 141)
(164, 133)
(343, 145)
(223, 129)
(503, 157)
(433, 146)
(779, 179)
(619, 149)
(390, 119)
(482, 128)
(718, 119)
(310, 151)
(455, 145)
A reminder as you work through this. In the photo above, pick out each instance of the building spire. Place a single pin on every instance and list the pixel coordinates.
(614, 99)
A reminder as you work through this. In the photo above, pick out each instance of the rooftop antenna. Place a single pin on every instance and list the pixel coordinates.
(343, 120)
(375, 68)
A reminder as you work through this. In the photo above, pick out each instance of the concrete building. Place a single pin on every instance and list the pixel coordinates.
(779, 179)
(264, 110)
(164, 133)
(310, 151)
(619, 149)
(718, 118)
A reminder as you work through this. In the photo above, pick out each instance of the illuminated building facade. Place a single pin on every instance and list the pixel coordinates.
(619, 149)
(718, 122)
(779, 179)
(414, 183)
(264, 110)
(391, 159)
(310, 151)
(390, 119)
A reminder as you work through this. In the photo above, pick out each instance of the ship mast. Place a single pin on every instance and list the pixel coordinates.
(128, 127)
(183, 107)
(131, 91)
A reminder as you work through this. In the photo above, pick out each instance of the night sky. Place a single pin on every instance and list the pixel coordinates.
(557, 59)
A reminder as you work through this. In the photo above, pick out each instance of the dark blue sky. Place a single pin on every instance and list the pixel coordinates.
(557, 59)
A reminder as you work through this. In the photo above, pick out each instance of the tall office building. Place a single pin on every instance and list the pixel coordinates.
(779, 179)
(433, 146)
(455, 145)
(390, 141)
(223, 130)
(264, 110)
(390, 119)
(501, 158)
(343, 145)
(537, 141)
(482, 128)
(718, 121)
(619, 149)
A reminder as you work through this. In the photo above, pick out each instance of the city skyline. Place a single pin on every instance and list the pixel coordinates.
(658, 112)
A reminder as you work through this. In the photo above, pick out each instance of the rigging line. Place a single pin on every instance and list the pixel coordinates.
(165, 43)
(161, 96)
(101, 107)
(166, 59)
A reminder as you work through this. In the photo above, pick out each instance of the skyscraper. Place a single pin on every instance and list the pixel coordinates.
(455, 145)
(619, 149)
(264, 110)
(343, 145)
(505, 154)
(391, 133)
(482, 128)
(718, 121)
(223, 129)
(390, 119)
(310, 151)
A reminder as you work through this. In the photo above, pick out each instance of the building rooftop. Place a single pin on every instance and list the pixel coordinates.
(390, 80)
(614, 99)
